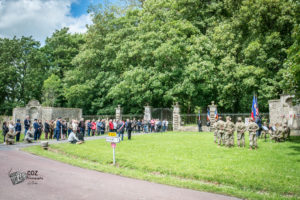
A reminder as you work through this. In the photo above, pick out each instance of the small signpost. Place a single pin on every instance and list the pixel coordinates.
(113, 139)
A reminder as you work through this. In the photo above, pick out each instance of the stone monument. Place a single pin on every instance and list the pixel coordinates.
(147, 113)
(212, 114)
(36, 111)
(282, 110)
(119, 113)
(176, 117)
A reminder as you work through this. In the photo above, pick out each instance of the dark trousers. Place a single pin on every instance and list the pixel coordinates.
(89, 132)
(199, 128)
(57, 134)
(129, 134)
(4, 137)
(36, 134)
(18, 137)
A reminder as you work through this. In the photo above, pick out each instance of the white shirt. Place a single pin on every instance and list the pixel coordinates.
(72, 136)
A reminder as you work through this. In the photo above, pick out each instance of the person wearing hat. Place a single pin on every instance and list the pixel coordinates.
(240, 129)
(18, 128)
(252, 128)
(221, 131)
(229, 132)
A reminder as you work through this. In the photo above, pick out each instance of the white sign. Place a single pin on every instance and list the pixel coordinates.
(113, 139)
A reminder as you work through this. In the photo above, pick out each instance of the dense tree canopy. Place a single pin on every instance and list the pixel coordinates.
(165, 51)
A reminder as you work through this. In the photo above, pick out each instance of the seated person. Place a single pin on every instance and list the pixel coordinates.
(10, 136)
(29, 136)
(73, 139)
(265, 131)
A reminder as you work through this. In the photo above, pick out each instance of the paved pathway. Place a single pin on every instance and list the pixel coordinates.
(63, 181)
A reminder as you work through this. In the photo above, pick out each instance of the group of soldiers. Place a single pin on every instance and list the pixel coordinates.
(224, 132)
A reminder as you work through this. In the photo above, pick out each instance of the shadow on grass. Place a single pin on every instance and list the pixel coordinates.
(295, 139)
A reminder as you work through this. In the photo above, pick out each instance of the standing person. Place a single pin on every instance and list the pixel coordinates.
(145, 123)
(111, 126)
(82, 126)
(4, 130)
(221, 129)
(40, 129)
(139, 125)
(121, 128)
(102, 127)
(259, 124)
(36, 127)
(252, 128)
(129, 128)
(64, 129)
(240, 129)
(18, 128)
(215, 126)
(152, 122)
(89, 127)
(99, 126)
(58, 128)
(47, 129)
(229, 132)
(52, 128)
(94, 126)
(27, 123)
(199, 125)
(115, 125)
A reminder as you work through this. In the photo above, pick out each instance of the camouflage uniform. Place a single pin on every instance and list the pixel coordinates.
(252, 128)
(229, 132)
(240, 129)
(10, 138)
(215, 132)
(287, 131)
(279, 135)
(221, 128)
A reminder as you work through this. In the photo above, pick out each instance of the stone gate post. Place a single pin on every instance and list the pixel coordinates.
(119, 113)
(147, 113)
(176, 117)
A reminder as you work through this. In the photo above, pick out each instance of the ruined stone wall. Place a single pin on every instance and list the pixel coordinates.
(282, 110)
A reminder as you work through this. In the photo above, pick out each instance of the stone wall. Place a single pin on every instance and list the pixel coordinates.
(35, 111)
(282, 110)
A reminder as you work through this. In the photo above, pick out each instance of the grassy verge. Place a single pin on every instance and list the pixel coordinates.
(192, 160)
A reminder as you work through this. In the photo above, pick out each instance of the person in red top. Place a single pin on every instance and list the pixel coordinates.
(94, 126)
(111, 126)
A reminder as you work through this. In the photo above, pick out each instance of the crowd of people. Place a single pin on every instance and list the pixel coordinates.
(75, 130)
(224, 132)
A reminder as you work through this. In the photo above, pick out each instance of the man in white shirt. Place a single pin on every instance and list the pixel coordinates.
(73, 139)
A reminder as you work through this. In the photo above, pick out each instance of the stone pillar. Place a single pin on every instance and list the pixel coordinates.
(147, 113)
(119, 113)
(212, 110)
(176, 117)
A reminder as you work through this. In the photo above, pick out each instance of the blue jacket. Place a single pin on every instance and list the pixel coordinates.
(27, 123)
(89, 125)
(58, 125)
(99, 125)
(18, 127)
(36, 125)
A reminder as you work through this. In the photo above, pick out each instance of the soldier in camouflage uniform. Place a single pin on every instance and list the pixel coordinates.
(229, 132)
(287, 131)
(221, 129)
(279, 133)
(216, 132)
(240, 129)
(252, 128)
(10, 136)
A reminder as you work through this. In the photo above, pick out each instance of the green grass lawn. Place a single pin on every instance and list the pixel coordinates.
(192, 160)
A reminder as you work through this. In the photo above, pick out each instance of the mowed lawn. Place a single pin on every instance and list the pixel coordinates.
(192, 160)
